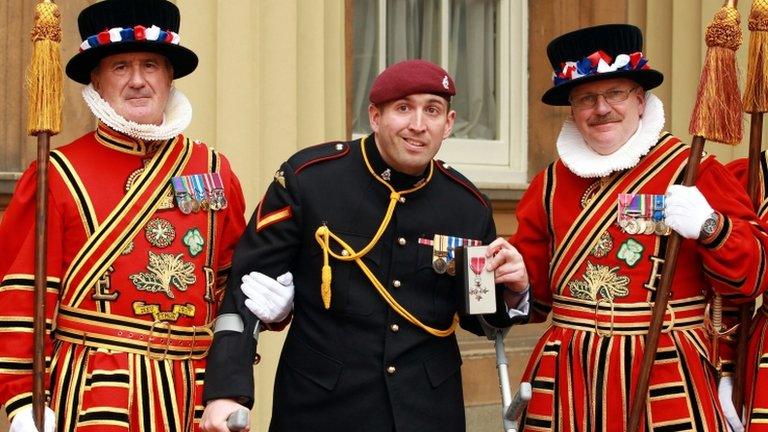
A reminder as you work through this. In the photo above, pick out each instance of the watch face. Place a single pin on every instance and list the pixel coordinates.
(708, 228)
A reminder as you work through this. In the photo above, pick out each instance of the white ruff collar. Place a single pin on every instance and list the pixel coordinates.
(176, 118)
(587, 163)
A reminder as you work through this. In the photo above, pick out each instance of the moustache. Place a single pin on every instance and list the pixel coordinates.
(138, 96)
(609, 118)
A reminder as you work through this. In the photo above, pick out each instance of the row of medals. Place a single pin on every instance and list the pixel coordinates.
(192, 204)
(193, 200)
(642, 214)
(188, 200)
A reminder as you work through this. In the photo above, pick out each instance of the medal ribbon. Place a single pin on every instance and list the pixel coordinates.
(477, 264)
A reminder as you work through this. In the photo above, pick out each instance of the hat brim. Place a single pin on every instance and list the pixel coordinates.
(79, 67)
(558, 95)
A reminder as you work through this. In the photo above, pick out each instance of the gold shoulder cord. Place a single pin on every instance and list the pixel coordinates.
(323, 236)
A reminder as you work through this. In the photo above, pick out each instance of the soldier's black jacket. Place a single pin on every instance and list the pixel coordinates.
(358, 366)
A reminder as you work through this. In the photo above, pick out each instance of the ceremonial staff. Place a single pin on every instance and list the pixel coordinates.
(755, 103)
(44, 87)
(716, 116)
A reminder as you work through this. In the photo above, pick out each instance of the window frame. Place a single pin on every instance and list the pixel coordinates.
(502, 163)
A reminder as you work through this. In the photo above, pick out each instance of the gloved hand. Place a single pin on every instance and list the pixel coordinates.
(725, 393)
(23, 421)
(269, 299)
(686, 211)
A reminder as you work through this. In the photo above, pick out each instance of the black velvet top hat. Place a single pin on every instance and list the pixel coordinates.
(597, 53)
(119, 26)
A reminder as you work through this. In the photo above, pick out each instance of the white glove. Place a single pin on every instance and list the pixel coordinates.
(686, 211)
(269, 299)
(724, 393)
(23, 421)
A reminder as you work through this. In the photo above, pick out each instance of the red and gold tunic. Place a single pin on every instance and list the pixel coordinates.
(756, 396)
(133, 283)
(599, 283)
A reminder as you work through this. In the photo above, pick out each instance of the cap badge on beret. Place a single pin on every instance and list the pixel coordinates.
(136, 33)
(446, 84)
(599, 63)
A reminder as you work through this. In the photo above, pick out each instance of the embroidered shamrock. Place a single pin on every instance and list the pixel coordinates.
(630, 252)
(194, 241)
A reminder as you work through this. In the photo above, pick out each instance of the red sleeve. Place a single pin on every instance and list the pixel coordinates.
(735, 258)
(232, 227)
(534, 242)
(17, 234)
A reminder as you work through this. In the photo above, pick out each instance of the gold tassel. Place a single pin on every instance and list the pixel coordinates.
(323, 236)
(717, 115)
(756, 87)
(44, 75)
(325, 286)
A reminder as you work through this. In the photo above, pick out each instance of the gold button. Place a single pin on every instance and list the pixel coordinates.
(395, 328)
(339, 147)
(396, 283)
(391, 370)
(401, 241)
(402, 200)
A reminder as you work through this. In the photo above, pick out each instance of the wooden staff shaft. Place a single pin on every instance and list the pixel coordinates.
(38, 361)
(746, 310)
(662, 298)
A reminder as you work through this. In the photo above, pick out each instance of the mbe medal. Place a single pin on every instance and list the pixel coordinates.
(479, 283)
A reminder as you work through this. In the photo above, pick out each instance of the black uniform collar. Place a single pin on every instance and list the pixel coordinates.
(398, 180)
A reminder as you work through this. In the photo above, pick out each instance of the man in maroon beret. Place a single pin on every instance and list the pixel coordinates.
(362, 226)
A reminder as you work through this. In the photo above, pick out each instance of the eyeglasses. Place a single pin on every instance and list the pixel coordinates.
(589, 100)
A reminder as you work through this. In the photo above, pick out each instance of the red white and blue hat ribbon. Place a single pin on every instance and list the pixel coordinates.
(599, 63)
(125, 34)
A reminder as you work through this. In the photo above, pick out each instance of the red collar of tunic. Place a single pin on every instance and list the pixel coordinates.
(124, 143)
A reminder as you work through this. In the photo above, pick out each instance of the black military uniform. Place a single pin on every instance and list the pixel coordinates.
(358, 366)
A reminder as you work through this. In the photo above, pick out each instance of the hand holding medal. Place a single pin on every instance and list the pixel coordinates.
(508, 267)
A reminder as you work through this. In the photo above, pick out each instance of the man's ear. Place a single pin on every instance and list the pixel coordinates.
(450, 120)
(374, 114)
(641, 99)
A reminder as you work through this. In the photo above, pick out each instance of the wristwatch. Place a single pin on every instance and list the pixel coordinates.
(709, 226)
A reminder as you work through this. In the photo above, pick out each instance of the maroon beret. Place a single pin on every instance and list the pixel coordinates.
(411, 77)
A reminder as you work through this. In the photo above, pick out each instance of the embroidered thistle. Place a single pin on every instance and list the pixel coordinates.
(165, 270)
(602, 281)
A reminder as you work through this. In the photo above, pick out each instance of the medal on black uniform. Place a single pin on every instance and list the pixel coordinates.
(440, 253)
(444, 252)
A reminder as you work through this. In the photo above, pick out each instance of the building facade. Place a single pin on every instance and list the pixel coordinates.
(279, 75)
